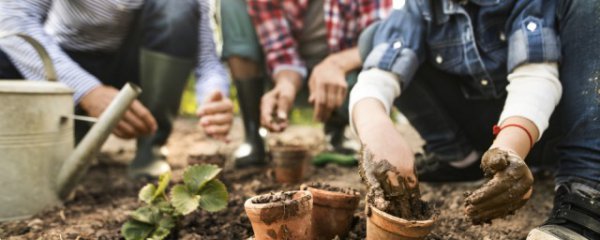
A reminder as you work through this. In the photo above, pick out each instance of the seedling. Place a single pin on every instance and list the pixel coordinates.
(161, 213)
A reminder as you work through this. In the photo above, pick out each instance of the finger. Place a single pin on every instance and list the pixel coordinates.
(499, 201)
(489, 190)
(320, 105)
(340, 96)
(283, 107)
(218, 119)
(118, 133)
(136, 123)
(215, 107)
(126, 130)
(487, 216)
(266, 109)
(217, 129)
(142, 113)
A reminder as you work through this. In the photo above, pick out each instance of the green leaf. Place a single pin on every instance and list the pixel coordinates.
(134, 230)
(163, 182)
(197, 176)
(147, 193)
(184, 201)
(146, 214)
(164, 228)
(214, 196)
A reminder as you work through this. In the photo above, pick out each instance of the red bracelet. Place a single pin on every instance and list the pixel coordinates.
(497, 129)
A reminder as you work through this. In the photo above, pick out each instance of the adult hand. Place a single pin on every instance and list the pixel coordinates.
(216, 115)
(508, 189)
(137, 120)
(277, 103)
(328, 88)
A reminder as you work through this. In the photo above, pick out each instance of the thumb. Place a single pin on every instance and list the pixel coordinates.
(494, 160)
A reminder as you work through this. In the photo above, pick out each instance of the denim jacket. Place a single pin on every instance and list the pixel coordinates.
(480, 40)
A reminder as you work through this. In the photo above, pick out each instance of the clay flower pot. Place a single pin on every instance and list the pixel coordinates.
(383, 226)
(333, 211)
(285, 215)
(289, 163)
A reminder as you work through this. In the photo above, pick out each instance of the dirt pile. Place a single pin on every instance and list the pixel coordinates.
(390, 192)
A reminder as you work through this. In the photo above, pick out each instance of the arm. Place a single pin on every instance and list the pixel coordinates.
(533, 92)
(275, 36)
(89, 93)
(210, 73)
(212, 86)
(327, 83)
(24, 57)
(282, 58)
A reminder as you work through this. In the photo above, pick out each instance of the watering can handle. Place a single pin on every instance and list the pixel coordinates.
(49, 70)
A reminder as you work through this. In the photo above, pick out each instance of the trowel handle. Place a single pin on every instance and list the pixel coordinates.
(76, 165)
(49, 69)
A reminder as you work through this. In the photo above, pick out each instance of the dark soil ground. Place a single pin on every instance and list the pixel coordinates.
(106, 196)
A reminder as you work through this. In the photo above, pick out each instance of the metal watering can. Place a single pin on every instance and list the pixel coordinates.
(38, 163)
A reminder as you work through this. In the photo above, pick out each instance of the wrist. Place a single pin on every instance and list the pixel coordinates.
(345, 61)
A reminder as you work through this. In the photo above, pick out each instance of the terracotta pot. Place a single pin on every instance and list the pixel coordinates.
(332, 213)
(289, 163)
(383, 226)
(285, 219)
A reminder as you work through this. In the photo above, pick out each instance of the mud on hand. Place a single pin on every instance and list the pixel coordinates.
(389, 191)
(508, 188)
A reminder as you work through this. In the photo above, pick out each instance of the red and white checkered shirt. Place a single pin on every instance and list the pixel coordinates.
(279, 22)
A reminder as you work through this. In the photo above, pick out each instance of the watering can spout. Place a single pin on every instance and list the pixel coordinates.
(77, 163)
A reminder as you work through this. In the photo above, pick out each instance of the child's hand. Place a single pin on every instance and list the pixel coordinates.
(508, 190)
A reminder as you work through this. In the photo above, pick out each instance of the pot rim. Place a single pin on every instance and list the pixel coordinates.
(303, 197)
(392, 218)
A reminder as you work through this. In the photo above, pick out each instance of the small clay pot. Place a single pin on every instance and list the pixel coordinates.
(289, 163)
(383, 226)
(288, 218)
(332, 213)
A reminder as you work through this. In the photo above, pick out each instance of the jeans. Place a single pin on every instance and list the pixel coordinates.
(164, 26)
(453, 125)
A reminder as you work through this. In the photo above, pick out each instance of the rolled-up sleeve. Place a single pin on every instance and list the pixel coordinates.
(398, 43)
(533, 37)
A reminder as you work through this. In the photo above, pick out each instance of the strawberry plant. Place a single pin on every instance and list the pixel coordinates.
(161, 212)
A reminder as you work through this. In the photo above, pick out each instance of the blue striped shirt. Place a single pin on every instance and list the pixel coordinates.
(90, 25)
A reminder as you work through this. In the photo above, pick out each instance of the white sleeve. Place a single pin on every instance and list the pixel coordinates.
(375, 83)
(27, 17)
(534, 90)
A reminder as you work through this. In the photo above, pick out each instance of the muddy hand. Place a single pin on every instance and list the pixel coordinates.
(508, 189)
(387, 188)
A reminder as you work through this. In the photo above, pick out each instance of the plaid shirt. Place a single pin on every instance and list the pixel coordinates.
(279, 22)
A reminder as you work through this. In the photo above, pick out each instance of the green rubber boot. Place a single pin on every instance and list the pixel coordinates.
(163, 79)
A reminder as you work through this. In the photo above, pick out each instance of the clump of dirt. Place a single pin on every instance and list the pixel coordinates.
(394, 196)
(327, 187)
(273, 197)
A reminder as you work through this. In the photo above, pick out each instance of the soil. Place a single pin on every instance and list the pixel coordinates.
(106, 196)
(400, 197)
(328, 187)
(273, 197)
